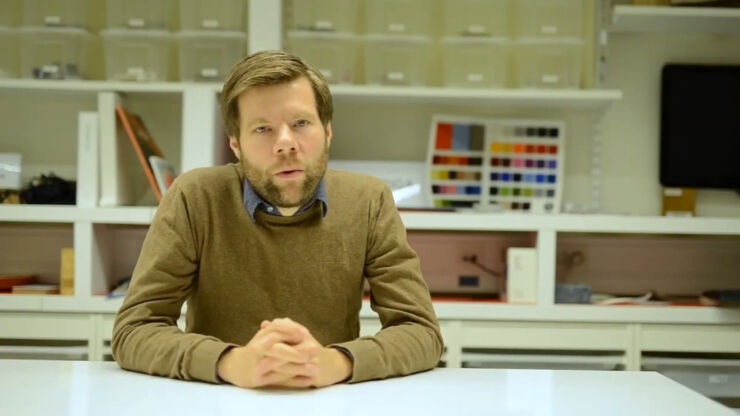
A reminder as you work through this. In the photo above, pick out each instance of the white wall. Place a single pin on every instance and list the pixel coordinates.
(630, 151)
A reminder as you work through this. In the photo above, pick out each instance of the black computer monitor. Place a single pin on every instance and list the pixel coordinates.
(700, 126)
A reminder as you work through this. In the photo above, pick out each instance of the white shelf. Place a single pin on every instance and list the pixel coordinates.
(453, 221)
(70, 214)
(445, 310)
(558, 99)
(637, 19)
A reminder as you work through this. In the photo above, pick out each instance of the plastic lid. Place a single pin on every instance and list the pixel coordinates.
(399, 38)
(54, 30)
(150, 33)
(475, 39)
(310, 34)
(552, 41)
(232, 34)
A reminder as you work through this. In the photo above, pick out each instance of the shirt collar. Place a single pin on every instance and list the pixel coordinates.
(253, 201)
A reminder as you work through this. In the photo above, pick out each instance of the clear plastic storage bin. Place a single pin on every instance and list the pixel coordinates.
(10, 13)
(53, 53)
(136, 55)
(9, 57)
(471, 62)
(325, 15)
(477, 18)
(545, 18)
(209, 55)
(397, 60)
(549, 63)
(139, 14)
(398, 17)
(710, 377)
(212, 15)
(334, 54)
(73, 13)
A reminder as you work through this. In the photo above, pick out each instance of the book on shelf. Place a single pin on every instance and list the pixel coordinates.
(7, 281)
(36, 289)
(67, 272)
(150, 157)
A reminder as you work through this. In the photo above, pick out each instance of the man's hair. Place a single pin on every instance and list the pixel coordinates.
(270, 68)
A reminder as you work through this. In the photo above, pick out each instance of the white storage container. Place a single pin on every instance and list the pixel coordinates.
(477, 18)
(543, 361)
(546, 18)
(549, 63)
(209, 55)
(53, 53)
(325, 15)
(475, 62)
(72, 13)
(139, 14)
(397, 60)
(398, 17)
(136, 55)
(334, 54)
(9, 57)
(212, 15)
(710, 377)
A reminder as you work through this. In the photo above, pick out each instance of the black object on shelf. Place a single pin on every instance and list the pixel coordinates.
(50, 189)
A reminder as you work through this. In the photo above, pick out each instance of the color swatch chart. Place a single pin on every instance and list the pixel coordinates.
(513, 165)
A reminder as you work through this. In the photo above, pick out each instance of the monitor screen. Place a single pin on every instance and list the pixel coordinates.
(700, 126)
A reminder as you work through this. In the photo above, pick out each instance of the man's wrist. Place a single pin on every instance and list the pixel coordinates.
(345, 362)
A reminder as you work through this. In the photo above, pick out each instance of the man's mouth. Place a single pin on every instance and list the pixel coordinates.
(289, 173)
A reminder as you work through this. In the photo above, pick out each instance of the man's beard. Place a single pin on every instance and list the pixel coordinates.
(263, 182)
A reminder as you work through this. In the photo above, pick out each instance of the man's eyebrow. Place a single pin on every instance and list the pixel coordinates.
(259, 120)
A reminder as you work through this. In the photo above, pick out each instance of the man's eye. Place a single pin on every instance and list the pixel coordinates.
(260, 129)
(301, 123)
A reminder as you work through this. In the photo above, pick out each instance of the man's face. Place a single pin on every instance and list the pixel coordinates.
(282, 146)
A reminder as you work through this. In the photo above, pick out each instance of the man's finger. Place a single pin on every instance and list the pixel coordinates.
(287, 353)
(298, 382)
(295, 370)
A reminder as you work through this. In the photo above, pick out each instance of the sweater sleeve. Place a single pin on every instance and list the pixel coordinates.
(410, 340)
(145, 334)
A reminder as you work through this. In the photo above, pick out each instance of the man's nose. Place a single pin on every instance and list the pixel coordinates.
(286, 142)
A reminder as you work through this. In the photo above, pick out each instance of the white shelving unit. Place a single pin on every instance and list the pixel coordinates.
(655, 19)
(624, 330)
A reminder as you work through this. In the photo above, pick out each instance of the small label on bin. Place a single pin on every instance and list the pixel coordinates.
(209, 72)
(550, 79)
(52, 20)
(476, 29)
(396, 27)
(136, 73)
(136, 22)
(50, 69)
(324, 25)
(209, 23)
(549, 29)
(395, 76)
(475, 77)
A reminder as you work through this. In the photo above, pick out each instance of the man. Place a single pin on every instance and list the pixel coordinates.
(272, 253)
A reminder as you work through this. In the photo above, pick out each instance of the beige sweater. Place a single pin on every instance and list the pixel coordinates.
(204, 248)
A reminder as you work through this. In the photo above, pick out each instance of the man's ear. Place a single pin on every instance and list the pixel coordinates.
(329, 134)
(234, 145)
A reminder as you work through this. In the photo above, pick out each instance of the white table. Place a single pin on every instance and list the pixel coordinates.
(45, 388)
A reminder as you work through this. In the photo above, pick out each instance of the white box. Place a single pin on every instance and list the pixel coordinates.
(398, 17)
(139, 14)
(212, 15)
(334, 54)
(521, 275)
(477, 18)
(475, 62)
(73, 13)
(9, 57)
(397, 60)
(53, 53)
(10, 171)
(209, 55)
(549, 63)
(549, 18)
(136, 55)
(325, 15)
